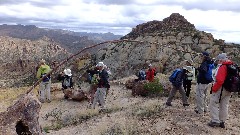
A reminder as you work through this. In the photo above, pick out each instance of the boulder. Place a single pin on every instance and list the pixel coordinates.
(22, 117)
(75, 94)
(138, 88)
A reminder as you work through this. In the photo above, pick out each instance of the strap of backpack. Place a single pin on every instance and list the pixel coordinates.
(221, 95)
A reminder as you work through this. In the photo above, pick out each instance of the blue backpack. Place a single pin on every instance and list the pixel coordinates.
(172, 78)
(208, 75)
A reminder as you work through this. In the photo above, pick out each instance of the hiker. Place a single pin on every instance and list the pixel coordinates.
(150, 73)
(141, 75)
(188, 77)
(103, 85)
(93, 82)
(45, 84)
(204, 78)
(67, 82)
(176, 79)
(219, 99)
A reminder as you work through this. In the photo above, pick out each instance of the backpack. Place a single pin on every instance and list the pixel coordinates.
(208, 75)
(67, 82)
(142, 75)
(232, 80)
(173, 76)
(94, 79)
(89, 78)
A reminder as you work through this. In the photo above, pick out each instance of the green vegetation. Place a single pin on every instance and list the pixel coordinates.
(154, 88)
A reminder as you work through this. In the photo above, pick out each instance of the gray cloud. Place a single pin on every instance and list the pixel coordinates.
(43, 3)
(110, 2)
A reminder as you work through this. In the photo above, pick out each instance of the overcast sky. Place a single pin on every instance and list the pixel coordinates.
(219, 17)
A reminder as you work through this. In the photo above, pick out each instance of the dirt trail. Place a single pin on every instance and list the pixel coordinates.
(132, 115)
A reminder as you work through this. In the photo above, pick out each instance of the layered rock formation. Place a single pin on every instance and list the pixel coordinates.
(165, 44)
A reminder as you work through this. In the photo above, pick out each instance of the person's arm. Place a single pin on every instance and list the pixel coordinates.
(39, 72)
(203, 67)
(220, 78)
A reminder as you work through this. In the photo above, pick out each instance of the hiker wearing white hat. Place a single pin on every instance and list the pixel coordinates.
(103, 85)
(67, 82)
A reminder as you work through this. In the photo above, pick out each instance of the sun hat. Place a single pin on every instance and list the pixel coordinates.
(67, 72)
(100, 64)
(222, 56)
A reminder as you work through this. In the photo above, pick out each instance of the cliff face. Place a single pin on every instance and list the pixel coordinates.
(165, 44)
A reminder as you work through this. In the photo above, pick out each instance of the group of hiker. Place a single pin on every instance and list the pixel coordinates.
(209, 73)
(147, 74)
(219, 73)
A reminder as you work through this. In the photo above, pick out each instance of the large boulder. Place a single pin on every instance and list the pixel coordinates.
(22, 117)
(138, 88)
(75, 94)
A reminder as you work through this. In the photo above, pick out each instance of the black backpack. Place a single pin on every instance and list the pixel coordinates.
(232, 80)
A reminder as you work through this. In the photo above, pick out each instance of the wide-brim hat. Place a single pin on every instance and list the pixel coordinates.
(100, 64)
(67, 72)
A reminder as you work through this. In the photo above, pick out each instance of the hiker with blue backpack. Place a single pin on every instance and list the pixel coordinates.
(204, 78)
(226, 80)
(177, 82)
(45, 84)
(67, 82)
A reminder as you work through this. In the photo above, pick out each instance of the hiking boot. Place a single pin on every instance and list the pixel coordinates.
(168, 104)
(197, 112)
(213, 124)
(222, 125)
(185, 105)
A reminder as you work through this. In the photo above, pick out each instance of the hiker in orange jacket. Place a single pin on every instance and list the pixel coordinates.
(150, 73)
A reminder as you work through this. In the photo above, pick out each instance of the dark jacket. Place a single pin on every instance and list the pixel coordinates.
(103, 81)
(62, 77)
(202, 70)
(179, 78)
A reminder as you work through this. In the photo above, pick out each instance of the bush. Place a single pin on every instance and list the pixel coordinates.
(153, 88)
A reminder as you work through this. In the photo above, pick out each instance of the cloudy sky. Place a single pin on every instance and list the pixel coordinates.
(219, 17)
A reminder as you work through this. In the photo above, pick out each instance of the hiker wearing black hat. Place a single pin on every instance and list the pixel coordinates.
(204, 78)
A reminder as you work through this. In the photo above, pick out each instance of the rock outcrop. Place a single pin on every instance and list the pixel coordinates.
(22, 117)
(165, 44)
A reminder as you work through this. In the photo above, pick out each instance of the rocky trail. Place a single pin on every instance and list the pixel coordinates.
(129, 115)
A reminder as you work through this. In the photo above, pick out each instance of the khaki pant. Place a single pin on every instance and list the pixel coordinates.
(99, 97)
(219, 111)
(201, 97)
(173, 93)
(44, 91)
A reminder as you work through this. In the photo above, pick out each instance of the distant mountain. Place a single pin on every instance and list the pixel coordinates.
(71, 41)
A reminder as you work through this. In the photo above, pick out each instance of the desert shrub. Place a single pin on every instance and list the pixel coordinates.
(153, 88)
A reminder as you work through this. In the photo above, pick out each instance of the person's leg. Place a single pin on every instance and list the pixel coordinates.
(223, 108)
(48, 90)
(205, 104)
(184, 97)
(213, 106)
(171, 95)
(102, 97)
(188, 87)
(201, 90)
(96, 98)
(42, 92)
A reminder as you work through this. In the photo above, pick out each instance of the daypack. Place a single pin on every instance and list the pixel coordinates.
(89, 78)
(142, 75)
(67, 82)
(232, 80)
(94, 79)
(173, 76)
(208, 75)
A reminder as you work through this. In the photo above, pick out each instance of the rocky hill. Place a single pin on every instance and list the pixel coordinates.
(19, 57)
(72, 41)
(165, 44)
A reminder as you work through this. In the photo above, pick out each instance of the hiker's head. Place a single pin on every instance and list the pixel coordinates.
(100, 65)
(150, 66)
(188, 62)
(222, 57)
(67, 72)
(42, 61)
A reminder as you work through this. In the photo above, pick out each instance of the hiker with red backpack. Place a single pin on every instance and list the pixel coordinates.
(204, 78)
(221, 91)
(177, 82)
